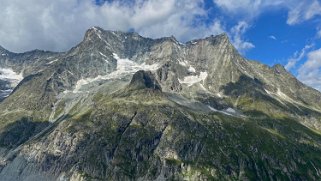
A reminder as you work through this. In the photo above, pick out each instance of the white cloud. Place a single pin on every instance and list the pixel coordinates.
(237, 33)
(304, 10)
(298, 56)
(298, 10)
(310, 71)
(247, 8)
(181, 24)
(272, 37)
(60, 24)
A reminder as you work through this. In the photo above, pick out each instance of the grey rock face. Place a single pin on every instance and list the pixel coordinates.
(144, 80)
(15, 66)
(119, 106)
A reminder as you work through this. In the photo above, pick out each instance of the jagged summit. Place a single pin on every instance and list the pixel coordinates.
(3, 50)
(279, 68)
(99, 30)
(96, 30)
(222, 36)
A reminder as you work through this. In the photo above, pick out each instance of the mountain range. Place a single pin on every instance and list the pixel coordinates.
(119, 106)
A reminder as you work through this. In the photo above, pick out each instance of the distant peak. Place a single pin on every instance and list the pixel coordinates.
(169, 39)
(224, 35)
(92, 31)
(173, 38)
(279, 68)
(134, 33)
(220, 38)
(3, 50)
(98, 32)
(96, 28)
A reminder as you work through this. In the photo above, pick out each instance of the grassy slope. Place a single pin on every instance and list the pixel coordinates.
(143, 135)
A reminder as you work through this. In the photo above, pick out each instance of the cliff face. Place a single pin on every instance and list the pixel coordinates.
(119, 106)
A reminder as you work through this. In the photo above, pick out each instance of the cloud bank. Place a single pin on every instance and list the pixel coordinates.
(60, 24)
(310, 71)
(298, 56)
(298, 10)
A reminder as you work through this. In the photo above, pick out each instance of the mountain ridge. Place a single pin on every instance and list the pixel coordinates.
(181, 65)
(119, 106)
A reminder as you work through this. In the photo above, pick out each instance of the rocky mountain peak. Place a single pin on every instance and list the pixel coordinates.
(171, 38)
(213, 39)
(3, 50)
(144, 80)
(279, 68)
(222, 36)
(93, 31)
(98, 34)
(222, 39)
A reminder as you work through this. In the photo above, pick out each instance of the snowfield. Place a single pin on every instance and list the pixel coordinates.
(192, 79)
(10, 76)
(124, 67)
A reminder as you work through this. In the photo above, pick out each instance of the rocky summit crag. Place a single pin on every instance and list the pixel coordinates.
(119, 106)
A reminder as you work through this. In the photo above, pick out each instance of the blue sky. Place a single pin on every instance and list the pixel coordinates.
(287, 32)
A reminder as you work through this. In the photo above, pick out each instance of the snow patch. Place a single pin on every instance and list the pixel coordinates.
(183, 63)
(230, 110)
(219, 95)
(53, 61)
(5, 93)
(82, 82)
(191, 69)
(202, 86)
(102, 54)
(105, 56)
(268, 92)
(3, 54)
(124, 67)
(215, 110)
(192, 79)
(9, 75)
(212, 109)
(282, 95)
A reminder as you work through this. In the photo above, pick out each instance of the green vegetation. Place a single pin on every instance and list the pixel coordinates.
(141, 137)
